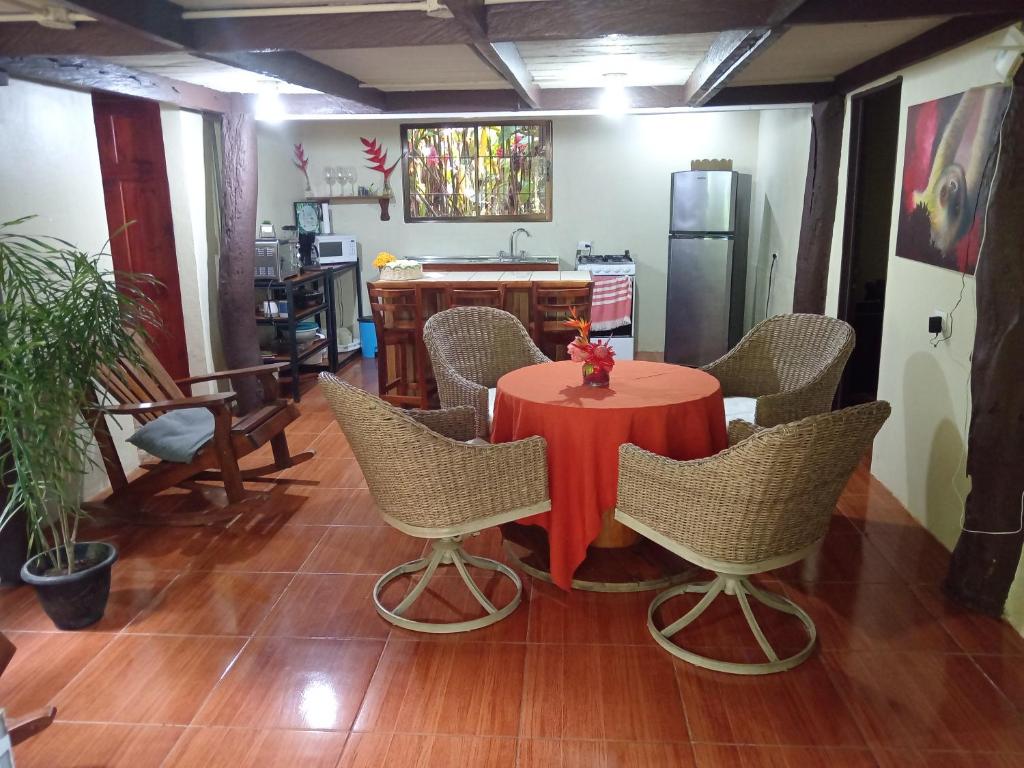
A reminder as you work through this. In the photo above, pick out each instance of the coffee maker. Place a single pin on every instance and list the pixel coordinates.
(309, 256)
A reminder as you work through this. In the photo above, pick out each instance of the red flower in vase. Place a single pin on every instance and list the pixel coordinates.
(595, 355)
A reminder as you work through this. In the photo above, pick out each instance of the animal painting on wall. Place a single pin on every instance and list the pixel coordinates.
(950, 156)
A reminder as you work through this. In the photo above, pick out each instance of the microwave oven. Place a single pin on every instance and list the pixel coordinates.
(337, 249)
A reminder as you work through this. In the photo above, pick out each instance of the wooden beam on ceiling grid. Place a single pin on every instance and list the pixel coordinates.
(88, 39)
(160, 21)
(833, 12)
(729, 53)
(83, 73)
(945, 37)
(789, 93)
(503, 58)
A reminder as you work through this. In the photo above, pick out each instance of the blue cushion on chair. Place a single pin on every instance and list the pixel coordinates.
(176, 435)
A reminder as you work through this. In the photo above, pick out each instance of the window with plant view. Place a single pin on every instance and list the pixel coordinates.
(478, 171)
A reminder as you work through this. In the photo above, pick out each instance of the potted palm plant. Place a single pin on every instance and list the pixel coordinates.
(61, 319)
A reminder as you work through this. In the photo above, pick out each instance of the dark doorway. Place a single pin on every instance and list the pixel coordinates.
(871, 181)
(135, 190)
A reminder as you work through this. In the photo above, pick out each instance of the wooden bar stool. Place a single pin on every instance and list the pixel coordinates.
(550, 304)
(398, 319)
(487, 295)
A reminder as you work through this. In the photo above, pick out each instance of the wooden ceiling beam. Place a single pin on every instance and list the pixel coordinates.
(83, 73)
(160, 21)
(728, 54)
(935, 41)
(754, 95)
(504, 58)
(88, 39)
(832, 12)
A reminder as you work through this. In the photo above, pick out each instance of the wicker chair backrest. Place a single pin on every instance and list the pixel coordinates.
(481, 344)
(787, 351)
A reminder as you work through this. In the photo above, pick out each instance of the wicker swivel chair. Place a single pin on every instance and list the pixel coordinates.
(429, 484)
(762, 504)
(470, 349)
(786, 368)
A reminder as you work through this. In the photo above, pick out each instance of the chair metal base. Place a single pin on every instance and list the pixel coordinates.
(739, 587)
(447, 551)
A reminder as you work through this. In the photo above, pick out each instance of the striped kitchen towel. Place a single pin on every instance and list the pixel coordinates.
(612, 306)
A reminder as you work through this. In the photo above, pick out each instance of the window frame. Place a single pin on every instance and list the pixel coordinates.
(547, 129)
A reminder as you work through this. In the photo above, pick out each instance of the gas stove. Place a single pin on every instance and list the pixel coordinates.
(606, 264)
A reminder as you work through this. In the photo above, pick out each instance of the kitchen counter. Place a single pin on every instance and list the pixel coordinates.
(511, 279)
(489, 264)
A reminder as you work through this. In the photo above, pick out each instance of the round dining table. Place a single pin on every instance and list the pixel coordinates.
(667, 409)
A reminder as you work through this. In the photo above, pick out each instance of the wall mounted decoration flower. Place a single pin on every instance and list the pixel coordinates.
(598, 357)
(301, 161)
(378, 156)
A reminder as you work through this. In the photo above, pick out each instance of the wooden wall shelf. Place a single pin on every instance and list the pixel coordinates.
(383, 200)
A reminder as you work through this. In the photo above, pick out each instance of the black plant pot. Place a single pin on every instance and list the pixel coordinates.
(79, 599)
(13, 550)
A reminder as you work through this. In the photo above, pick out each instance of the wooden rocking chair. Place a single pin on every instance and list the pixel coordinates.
(22, 728)
(148, 391)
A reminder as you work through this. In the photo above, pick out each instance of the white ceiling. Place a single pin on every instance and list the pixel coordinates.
(414, 68)
(662, 60)
(191, 69)
(816, 52)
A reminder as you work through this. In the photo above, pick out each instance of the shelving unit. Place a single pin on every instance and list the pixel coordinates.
(382, 200)
(298, 358)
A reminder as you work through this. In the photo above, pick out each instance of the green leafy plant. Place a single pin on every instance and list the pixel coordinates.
(62, 318)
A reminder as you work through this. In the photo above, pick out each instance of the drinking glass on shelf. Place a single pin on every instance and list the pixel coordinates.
(330, 176)
(347, 175)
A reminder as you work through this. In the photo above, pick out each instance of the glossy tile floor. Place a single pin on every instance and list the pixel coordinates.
(256, 644)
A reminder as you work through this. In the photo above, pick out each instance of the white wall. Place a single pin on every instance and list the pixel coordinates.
(611, 186)
(783, 141)
(186, 178)
(51, 167)
(919, 453)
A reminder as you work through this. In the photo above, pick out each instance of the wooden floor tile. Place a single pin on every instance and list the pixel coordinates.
(909, 758)
(843, 556)
(860, 616)
(293, 683)
(916, 555)
(327, 605)
(326, 473)
(926, 701)
(355, 507)
(601, 692)
(373, 750)
(256, 748)
(440, 687)
(262, 546)
(363, 549)
(973, 632)
(800, 707)
(550, 753)
(733, 756)
(448, 600)
(212, 603)
(164, 548)
(1007, 673)
(331, 444)
(558, 616)
(44, 664)
(97, 745)
(148, 679)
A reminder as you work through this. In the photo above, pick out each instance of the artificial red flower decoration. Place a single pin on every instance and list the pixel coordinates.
(301, 161)
(377, 155)
(598, 357)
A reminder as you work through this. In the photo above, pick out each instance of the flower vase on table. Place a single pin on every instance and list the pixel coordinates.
(598, 357)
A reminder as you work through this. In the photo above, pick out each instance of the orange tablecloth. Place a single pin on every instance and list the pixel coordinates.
(670, 410)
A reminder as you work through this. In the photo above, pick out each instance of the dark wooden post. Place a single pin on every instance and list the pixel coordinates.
(237, 253)
(984, 564)
(820, 192)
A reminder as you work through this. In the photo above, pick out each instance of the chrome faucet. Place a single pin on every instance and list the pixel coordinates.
(512, 241)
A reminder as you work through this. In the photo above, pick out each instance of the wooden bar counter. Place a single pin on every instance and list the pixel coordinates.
(431, 297)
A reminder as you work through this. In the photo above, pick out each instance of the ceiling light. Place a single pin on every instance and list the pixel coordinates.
(269, 107)
(614, 101)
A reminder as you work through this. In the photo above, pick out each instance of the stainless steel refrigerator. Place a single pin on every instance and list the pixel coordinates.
(707, 265)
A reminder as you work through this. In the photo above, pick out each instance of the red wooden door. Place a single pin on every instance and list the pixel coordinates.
(134, 171)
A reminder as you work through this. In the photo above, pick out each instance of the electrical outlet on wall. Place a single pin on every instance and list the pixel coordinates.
(938, 323)
(584, 245)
